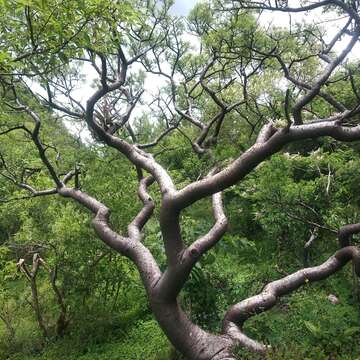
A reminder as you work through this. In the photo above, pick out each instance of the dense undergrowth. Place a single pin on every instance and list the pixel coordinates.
(304, 325)
(271, 216)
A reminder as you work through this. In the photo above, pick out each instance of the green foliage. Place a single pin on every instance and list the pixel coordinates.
(144, 340)
(272, 212)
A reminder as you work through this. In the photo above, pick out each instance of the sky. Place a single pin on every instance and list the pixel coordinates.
(182, 7)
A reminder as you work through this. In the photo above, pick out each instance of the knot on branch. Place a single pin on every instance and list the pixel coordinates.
(194, 253)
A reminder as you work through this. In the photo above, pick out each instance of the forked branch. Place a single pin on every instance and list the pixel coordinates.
(176, 275)
(127, 246)
(135, 227)
(31, 276)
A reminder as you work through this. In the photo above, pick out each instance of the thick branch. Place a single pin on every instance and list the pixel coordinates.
(135, 227)
(265, 133)
(135, 155)
(128, 247)
(177, 274)
(239, 313)
(242, 166)
(346, 232)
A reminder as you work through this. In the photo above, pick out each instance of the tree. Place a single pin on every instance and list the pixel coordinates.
(278, 86)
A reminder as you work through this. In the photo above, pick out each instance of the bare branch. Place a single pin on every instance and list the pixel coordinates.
(269, 5)
(31, 276)
(175, 277)
(136, 156)
(50, 102)
(315, 88)
(135, 227)
(239, 313)
(158, 139)
(128, 247)
(35, 193)
(346, 232)
(259, 152)
(303, 85)
(265, 133)
(63, 320)
(20, 127)
(309, 222)
(308, 244)
(40, 146)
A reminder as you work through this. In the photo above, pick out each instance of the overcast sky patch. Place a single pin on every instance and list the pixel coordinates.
(182, 7)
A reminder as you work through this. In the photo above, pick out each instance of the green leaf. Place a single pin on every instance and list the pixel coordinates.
(312, 328)
(352, 330)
